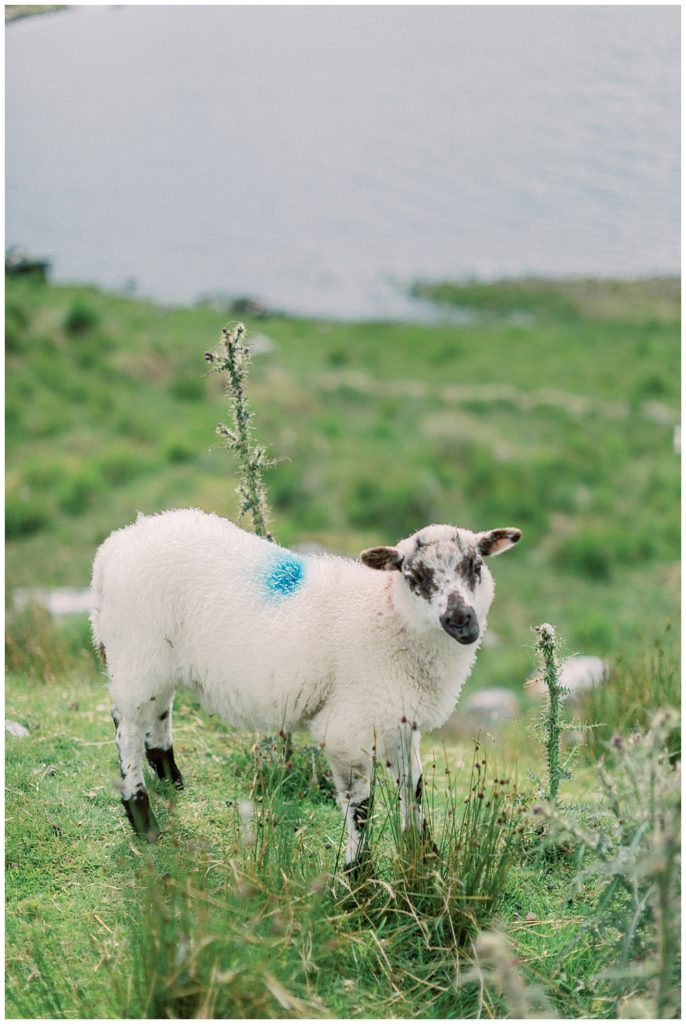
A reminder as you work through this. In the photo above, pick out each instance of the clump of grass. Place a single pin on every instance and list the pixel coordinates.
(441, 884)
(25, 514)
(645, 679)
(234, 360)
(634, 854)
(80, 319)
(295, 771)
(40, 648)
(35, 646)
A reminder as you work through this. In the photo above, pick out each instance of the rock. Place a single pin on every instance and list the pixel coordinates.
(62, 601)
(577, 674)
(494, 704)
(260, 344)
(16, 729)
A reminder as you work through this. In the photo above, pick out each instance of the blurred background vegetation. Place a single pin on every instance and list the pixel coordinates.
(549, 406)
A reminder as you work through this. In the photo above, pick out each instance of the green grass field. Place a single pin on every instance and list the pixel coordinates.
(550, 407)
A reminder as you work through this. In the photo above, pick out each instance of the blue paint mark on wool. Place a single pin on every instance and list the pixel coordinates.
(284, 576)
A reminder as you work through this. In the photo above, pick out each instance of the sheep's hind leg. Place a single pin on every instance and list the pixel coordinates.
(134, 795)
(159, 750)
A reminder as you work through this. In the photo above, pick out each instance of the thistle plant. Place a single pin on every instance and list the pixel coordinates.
(633, 853)
(233, 359)
(552, 727)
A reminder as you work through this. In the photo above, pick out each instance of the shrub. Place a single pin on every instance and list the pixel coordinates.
(187, 389)
(120, 465)
(24, 516)
(392, 506)
(16, 326)
(177, 452)
(79, 491)
(586, 554)
(80, 319)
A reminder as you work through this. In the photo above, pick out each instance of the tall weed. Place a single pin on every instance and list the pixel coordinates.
(634, 856)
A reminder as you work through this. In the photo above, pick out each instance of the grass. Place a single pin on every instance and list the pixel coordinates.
(562, 427)
(237, 911)
(552, 408)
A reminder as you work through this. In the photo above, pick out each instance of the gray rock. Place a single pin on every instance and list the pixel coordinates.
(62, 601)
(16, 729)
(577, 674)
(494, 704)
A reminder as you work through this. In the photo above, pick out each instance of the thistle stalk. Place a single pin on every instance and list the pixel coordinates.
(547, 648)
(233, 358)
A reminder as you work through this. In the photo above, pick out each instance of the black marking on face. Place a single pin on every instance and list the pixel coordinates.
(421, 578)
(361, 814)
(470, 569)
(164, 764)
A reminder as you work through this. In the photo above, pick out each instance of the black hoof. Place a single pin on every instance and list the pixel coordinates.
(139, 813)
(164, 764)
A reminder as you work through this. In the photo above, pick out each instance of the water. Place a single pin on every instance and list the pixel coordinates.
(321, 158)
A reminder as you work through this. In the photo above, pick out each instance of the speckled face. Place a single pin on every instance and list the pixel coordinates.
(444, 570)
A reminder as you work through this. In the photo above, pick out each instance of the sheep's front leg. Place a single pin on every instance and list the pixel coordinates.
(134, 795)
(353, 786)
(404, 761)
(159, 750)
(403, 757)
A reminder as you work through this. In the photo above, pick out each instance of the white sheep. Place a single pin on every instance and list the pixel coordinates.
(267, 639)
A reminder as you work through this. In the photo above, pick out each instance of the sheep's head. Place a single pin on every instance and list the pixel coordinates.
(445, 574)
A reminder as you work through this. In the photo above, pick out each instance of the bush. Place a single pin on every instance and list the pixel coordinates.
(120, 465)
(80, 319)
(24, 516)
(596, 551)
(78, 493)
(16, 326)
(187, 389)
(586, 554)
(392, 507)
(177, 452)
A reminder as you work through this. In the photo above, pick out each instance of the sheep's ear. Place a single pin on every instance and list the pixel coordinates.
(382, 558)
(493, 542)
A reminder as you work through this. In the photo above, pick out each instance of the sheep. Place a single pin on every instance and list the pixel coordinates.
(363, 654)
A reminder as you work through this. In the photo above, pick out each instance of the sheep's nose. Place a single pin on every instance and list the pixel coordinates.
(460, 622)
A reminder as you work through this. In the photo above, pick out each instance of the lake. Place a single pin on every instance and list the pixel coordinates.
(321, 158)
